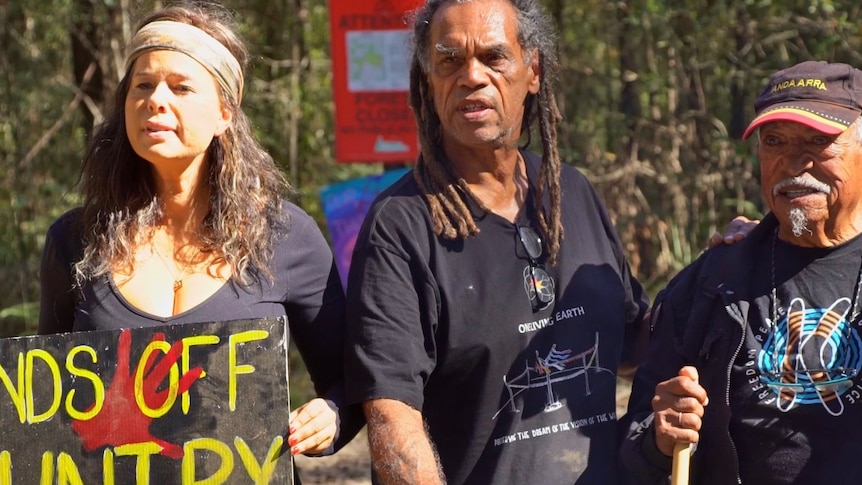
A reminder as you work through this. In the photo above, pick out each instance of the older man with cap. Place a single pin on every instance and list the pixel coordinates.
(755, 349)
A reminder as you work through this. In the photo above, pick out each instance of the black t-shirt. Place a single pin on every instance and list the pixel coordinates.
(795, 412)
(511, 396)
(305, 288)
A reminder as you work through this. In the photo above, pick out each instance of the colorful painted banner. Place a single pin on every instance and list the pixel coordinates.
(183, 404)
(345, 205)
(371, 77)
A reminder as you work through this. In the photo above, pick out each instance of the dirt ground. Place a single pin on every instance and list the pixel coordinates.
(352, 465)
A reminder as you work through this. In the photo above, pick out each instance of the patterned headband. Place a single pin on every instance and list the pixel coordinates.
(195, 43)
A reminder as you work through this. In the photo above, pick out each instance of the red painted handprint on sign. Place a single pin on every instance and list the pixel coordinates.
(122, 420)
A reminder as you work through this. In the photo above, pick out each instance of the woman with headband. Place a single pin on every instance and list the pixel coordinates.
(184, 218)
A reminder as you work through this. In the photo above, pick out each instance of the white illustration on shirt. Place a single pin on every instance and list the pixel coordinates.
(556, 366)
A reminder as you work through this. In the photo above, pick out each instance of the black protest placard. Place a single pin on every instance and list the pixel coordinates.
(186, 404)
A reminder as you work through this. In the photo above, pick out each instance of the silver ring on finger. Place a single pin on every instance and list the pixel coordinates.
(679, 419)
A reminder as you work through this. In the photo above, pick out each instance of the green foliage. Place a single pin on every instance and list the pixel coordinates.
(40, 143)
(655, 98)
(19, 319)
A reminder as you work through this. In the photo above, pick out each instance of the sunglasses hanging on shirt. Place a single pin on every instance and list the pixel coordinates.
(538, 284)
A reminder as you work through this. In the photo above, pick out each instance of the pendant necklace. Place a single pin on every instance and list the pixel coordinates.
(178, 278)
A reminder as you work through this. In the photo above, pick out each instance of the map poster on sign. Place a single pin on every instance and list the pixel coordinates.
(371, 76)
(182, 404)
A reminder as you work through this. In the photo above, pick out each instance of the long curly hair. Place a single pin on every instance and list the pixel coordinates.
(120, 201)
(451, 217)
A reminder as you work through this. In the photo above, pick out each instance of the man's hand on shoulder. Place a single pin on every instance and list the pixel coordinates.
(736, 231)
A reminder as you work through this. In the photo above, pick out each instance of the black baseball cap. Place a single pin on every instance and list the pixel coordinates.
(821, 95)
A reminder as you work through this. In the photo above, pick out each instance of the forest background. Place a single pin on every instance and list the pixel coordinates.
(654, 94)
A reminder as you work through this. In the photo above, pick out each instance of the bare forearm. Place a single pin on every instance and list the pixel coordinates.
(401, 451)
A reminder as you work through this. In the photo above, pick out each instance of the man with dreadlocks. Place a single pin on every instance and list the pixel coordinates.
(483, 346)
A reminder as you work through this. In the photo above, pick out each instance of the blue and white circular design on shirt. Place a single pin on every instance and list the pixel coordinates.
(811, 356)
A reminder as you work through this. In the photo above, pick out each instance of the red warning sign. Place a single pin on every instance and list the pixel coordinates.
(371, 76)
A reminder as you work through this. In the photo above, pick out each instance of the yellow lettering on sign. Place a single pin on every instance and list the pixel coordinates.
(189, 342)
(209, 444)
(173, 384)
(233, 368)
(47, 468)
(260, 474)
(16, 393)
(67, 471)
(32, 355)
(143, 451)
(98, 386)
(108, 467)
(5, 468)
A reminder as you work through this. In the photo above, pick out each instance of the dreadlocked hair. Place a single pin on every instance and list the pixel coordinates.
(451, 217)
(444, 191)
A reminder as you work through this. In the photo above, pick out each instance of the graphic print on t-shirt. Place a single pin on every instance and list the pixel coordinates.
(539, 286)
(556, 366)
(811, 356)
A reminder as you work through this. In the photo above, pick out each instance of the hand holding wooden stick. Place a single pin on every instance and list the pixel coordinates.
(679, 470)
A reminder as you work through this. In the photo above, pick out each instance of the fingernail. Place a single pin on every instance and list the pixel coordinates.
(291, 441)
(294, 450)
(291, 430)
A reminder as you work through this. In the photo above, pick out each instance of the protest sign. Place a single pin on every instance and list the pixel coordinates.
(184, 404)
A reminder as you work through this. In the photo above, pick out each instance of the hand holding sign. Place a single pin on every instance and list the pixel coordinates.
(313, 426)
(134, 399)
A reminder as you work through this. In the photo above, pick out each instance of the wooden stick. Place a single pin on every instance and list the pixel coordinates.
(679, 471)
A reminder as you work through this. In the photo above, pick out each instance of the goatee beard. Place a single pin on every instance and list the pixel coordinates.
(798, 221)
